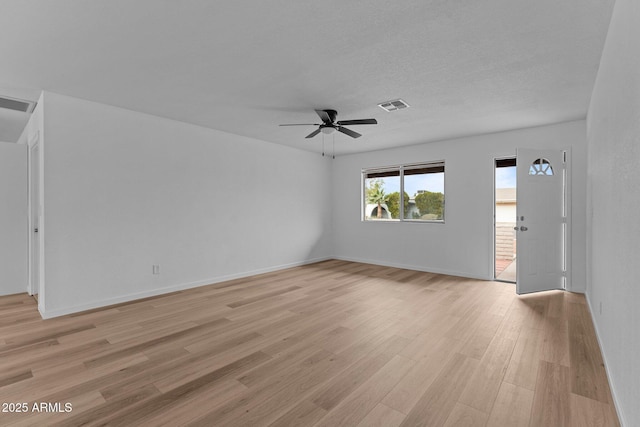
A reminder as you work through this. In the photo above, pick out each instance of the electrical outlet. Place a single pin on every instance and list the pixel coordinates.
(155, 269)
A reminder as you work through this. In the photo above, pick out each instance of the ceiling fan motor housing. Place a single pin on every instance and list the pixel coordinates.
(333, 114)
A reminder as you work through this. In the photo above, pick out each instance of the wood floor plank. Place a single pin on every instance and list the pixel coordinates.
(15, 377)
(99, 381)
(436, 404)
(358, 352)
(523, 364)
(194, 365)
(141, 346)
(39, 387)
(331, 343)
(336, 391)
(106, 410)
(407, 392)
(36, 337)
(279, 364)
(588, 375)
(512, 407)
(187, 410)
(246, 301)
(551, 401)
(476, 345)
(303, 414)
(174, 397)
(587, 412)
(556, 341)
(535, 309)
(267, 403)
(357, 405)
(65, 355)
(465, 416)
(483, 386)
(382, 416)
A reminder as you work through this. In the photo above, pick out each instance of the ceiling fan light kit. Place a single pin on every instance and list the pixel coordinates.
(327, 129)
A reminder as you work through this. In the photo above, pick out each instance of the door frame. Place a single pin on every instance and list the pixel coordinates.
(31, 164)
(568, 237)
(568, 213)
(493, 228)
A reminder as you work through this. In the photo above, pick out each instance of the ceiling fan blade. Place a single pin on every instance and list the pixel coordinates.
(349, 132)
(326, 118)
(301, 124)
(314, 133)
(358, 122)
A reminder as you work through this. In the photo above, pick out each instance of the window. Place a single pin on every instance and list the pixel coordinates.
(541, 167)
(382, 194)
(404, 193)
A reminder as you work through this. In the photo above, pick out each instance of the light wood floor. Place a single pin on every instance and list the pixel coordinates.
(329, 344)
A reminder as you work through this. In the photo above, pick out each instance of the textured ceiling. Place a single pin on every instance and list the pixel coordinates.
(465, 67)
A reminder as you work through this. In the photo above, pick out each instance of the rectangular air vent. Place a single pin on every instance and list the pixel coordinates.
(17, 104)
(389, 106)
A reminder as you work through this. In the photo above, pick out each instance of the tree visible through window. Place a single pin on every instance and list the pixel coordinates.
(405, 193)
(381, 189)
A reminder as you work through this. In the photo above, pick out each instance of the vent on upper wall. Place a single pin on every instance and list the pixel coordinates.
(389, 106)
(17, 104)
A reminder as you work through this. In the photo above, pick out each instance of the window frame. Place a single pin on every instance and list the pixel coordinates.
(401, 169)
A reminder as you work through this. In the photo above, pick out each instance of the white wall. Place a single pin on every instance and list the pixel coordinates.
(614, 226)
(125, 190)
(463, 245)
(13, 218)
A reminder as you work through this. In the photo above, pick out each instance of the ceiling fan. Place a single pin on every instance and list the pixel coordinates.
(329, 124)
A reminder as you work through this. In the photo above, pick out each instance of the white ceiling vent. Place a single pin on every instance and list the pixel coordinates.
(389, 106)
(17, 104)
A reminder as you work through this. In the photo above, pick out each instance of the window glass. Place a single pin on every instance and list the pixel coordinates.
(425, 188)
(382, 189)
(541, 167)
(405, 193)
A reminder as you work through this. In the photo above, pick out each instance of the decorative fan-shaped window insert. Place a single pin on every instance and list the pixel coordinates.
(541, 167)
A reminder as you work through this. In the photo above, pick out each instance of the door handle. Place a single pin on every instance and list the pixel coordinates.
(523, 228)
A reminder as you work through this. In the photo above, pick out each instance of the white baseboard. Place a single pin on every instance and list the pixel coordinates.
(413, 267)
(48, 314)
(606, 365)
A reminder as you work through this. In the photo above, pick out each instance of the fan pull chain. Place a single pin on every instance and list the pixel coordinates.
(333, 155)
(323, 145)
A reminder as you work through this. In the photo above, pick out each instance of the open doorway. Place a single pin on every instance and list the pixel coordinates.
(505, 219)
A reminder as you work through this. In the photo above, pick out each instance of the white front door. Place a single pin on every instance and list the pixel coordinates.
(541, 220)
